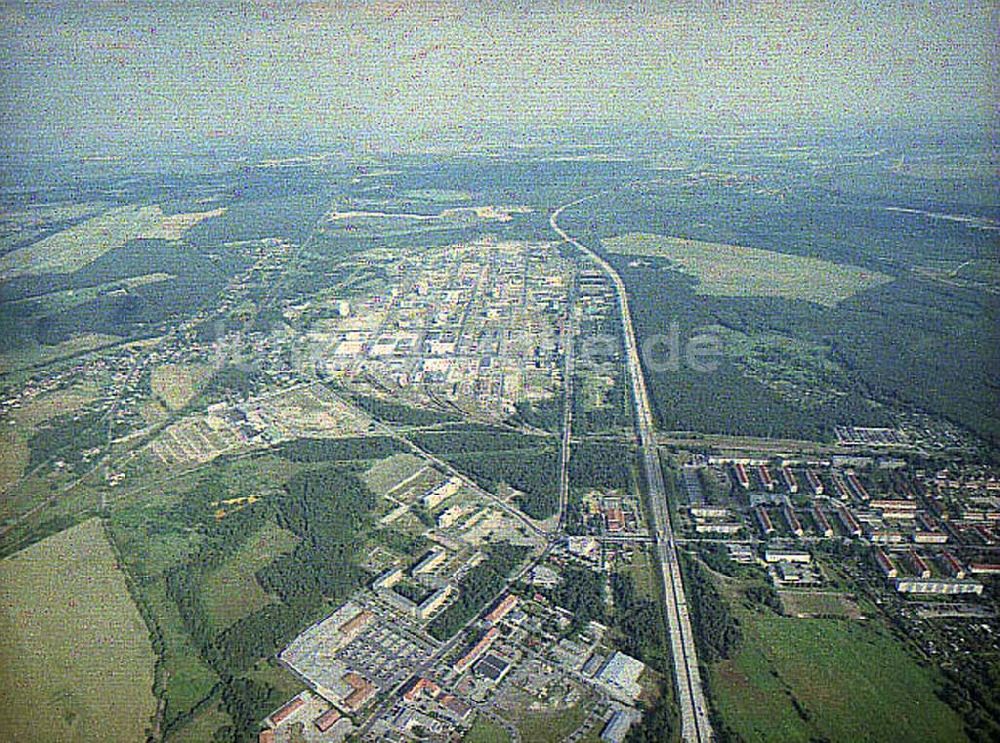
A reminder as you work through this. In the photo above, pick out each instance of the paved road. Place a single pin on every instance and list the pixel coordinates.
(695, 725)
(567, 432)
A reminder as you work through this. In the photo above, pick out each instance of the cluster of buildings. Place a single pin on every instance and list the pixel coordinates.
(928, 531)
(479, 325)
(911, 571)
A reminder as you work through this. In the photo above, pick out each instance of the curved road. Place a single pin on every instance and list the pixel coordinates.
(695, 725)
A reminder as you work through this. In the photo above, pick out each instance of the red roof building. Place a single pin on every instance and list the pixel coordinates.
(285, 712)
(327, 720)
(502, 609)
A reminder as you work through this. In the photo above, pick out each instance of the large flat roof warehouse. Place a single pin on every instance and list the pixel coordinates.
(621, 672)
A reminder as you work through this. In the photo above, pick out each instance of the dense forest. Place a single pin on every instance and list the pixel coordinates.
(393, 412)
(600, 465)
(492, 456)
(338, 450)
(580, 592)
(717, 632)
(893, 344)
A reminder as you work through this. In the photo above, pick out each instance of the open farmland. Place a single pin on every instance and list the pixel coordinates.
(81, 244)
(827, 679)
(177, 384)
(14, 457)
(75, 659)
(738, 271)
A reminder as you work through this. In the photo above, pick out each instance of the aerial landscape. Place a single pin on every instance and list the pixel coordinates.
(499, 372)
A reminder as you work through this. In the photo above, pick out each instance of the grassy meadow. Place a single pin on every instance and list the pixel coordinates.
(738, 271)
(75, 657)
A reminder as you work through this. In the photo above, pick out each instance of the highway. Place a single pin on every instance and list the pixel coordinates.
(695, 725)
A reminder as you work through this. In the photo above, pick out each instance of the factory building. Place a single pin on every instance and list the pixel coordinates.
(617, 728)
(893, 504)
(709, 512)
(948, 587)
(776, 554)
(718, 527)
(885, 536)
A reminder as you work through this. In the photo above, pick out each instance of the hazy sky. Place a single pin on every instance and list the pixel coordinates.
(107, 74)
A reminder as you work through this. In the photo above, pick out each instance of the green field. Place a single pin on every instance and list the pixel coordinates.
(542, 727)
(231, 591)
(75, 247)
(825, 604)
(201, 727)
(75, 658)
(387, 473)
(486, 731)
(827, 679)
(737, 271)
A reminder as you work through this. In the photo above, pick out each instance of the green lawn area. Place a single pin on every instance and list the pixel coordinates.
(201, 727)
(816, 603)
(643, 576)
(810, 679)
(75, 657)
(284, 683)
(188, 678)
(738, 271)
(486, 731)
(543, 727)
(231, 591)
(386, 473)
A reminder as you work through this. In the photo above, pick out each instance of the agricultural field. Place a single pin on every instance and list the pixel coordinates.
(14, 456)
(202, 726)
(64, 606)
(77, 246)
(738, 271)
(177, 384)
(827, 679)
(25, 358)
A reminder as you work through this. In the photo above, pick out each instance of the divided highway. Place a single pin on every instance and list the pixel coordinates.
(695, 725)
